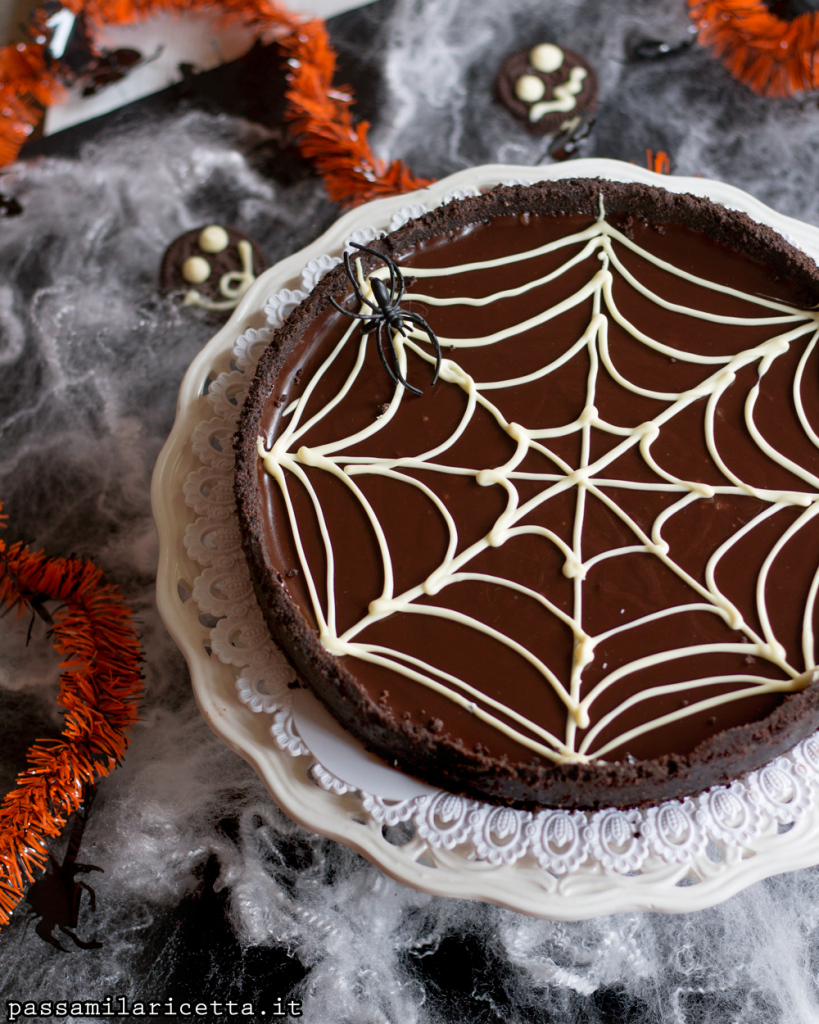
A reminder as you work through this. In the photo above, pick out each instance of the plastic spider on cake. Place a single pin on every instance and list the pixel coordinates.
(386, 312)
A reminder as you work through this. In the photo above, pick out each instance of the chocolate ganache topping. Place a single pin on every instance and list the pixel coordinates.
(582, 568)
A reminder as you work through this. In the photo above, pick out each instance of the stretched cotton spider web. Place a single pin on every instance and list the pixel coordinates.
(590, 477)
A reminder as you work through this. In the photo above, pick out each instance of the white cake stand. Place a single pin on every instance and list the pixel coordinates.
(681, 857)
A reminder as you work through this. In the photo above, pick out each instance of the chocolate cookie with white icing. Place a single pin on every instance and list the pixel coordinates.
(548, 88)
(211, 267)
(581, 570)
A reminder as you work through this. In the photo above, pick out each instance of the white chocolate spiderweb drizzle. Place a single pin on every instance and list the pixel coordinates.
(588, 735)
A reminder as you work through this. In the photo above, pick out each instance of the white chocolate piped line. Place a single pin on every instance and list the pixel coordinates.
(232, 285)
(808, 640)
(507, 293)
(787, 315)
(708, 704)
(788, 326)
(797, 391)
(371, 652)
(565, 96)
(599, 231)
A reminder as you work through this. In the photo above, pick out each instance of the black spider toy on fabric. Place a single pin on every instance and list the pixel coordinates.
(55, 897)
(386, 312)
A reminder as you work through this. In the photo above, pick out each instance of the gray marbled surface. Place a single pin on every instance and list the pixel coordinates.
(208, 891)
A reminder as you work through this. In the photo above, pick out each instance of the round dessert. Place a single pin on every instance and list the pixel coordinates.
(548, 88)
(212, 267)
(580, 569)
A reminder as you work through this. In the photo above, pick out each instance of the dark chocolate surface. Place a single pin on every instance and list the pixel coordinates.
(631, 586)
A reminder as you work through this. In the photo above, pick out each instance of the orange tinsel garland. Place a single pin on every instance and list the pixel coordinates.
(320, 114)
(659, 162)
(26, 86)
(321, 119)
(772, 56)
(100, 685)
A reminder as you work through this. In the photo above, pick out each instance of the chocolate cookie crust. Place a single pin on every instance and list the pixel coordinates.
(431, 751)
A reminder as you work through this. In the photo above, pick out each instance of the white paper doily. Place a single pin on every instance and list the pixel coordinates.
(680, 856)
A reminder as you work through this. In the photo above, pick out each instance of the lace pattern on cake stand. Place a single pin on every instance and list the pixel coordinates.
(689, 840)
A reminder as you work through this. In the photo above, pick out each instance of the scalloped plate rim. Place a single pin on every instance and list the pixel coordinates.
(523, 886)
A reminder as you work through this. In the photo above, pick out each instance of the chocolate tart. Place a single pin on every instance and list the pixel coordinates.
(645, 641)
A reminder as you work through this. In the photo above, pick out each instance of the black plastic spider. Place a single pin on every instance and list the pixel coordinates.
(640, 48)
(386, 312)
(55, 897)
